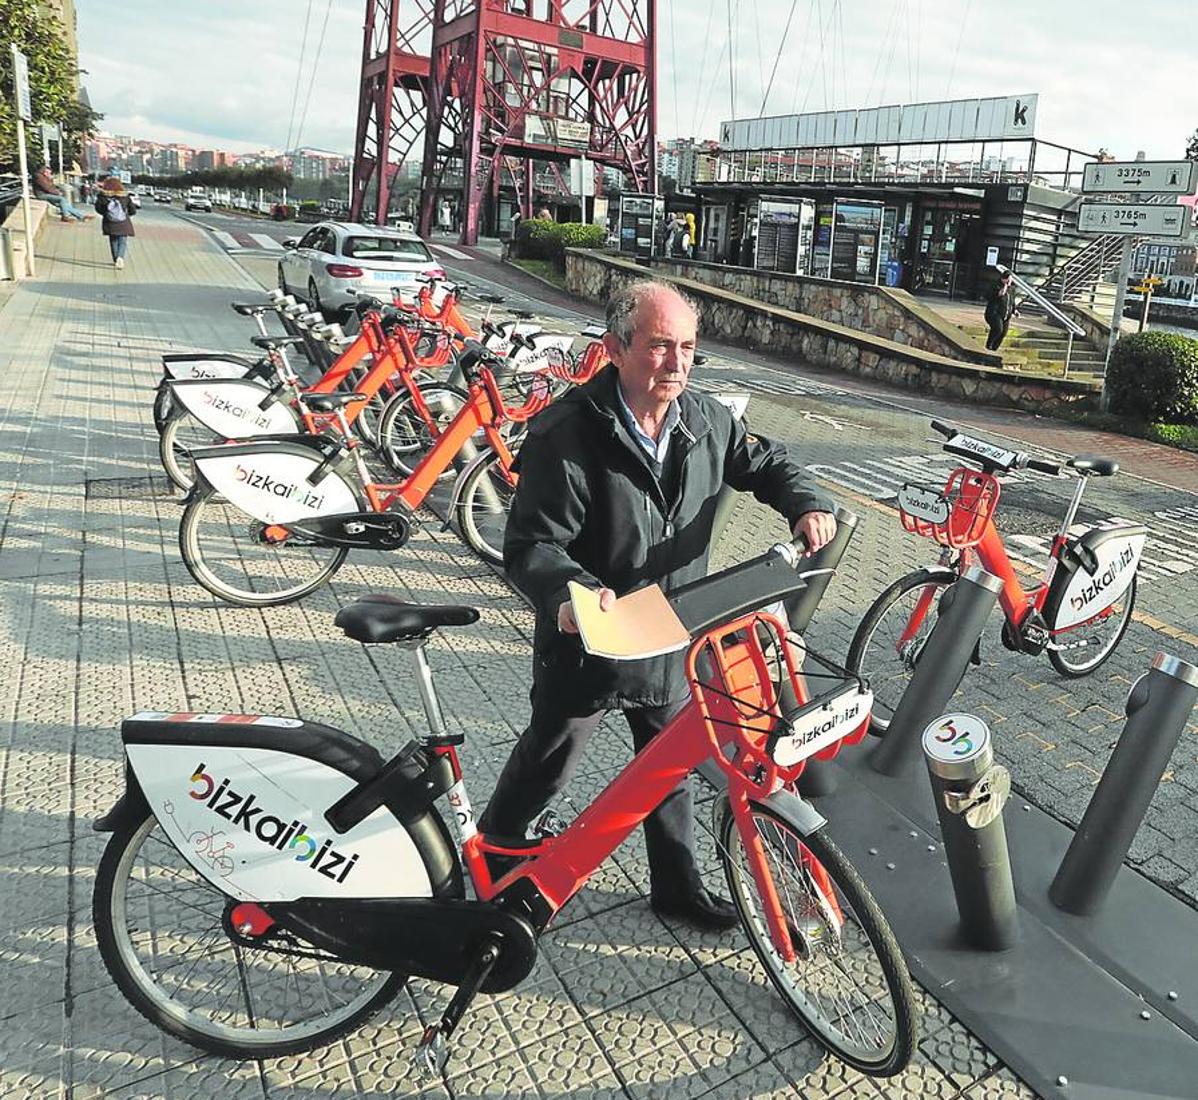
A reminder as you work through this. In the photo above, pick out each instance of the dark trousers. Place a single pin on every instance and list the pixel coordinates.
(998, 333)
(543, 761)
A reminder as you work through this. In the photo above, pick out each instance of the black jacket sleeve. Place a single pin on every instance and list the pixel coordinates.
(547, 515)
(772, 473)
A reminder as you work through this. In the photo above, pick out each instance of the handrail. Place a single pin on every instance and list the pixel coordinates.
(1067, 323)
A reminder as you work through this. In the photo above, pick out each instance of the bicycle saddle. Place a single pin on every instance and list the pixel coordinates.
(1093, 464)
(273, 343)
(383, 618)
(250, 309)
(331, 402)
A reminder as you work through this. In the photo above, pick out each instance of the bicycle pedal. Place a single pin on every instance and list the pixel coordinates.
(550, 823)
(431, 1055)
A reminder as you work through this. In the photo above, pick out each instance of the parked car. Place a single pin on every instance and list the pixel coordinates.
(197, 202)
(333, 258)
(135, 199)
(163, 196)
(397, 221)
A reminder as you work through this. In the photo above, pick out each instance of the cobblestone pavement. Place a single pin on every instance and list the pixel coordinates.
(100, 619)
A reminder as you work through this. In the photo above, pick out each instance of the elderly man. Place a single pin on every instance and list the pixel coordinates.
(618, 483)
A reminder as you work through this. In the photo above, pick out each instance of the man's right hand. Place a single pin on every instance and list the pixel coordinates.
(566, 622)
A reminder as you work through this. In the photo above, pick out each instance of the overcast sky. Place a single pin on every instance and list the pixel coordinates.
(223, 73)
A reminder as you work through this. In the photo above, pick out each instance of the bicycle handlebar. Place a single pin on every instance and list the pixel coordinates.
(1044, 466)
(946, 430)
(1019, 460)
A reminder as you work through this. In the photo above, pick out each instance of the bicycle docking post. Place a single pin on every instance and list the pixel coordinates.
(970, 791)
(1157, 709)
(964, 609)
(817, 778)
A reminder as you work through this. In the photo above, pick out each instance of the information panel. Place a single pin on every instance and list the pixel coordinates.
(1132, 219)
(1172, 177)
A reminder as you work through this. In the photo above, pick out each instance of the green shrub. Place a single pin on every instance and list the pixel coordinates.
(541, 239)
(1153, 378)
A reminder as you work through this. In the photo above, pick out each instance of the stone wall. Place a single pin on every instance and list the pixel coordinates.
(887, 312)
(736, 319)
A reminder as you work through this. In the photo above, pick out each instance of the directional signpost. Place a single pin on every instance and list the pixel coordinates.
(1157, 177)
(1137, 183)
(1133, 220)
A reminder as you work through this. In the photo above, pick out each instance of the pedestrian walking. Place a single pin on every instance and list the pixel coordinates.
(116, 208)
(1000, 305)
(445, 217)
(688, 245)
(617, 487)
(48, 191)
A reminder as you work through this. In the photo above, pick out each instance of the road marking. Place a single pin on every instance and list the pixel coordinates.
(269, 243)
(452, 253)
(225, 240)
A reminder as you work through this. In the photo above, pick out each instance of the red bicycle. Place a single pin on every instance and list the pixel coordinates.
(1077, 613)
(338, 878)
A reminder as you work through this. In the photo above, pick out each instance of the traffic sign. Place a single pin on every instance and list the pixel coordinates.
(1174, 177)
(1129, 219)
(20, 72)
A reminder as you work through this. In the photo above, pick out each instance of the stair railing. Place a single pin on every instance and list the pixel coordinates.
(1067, 323)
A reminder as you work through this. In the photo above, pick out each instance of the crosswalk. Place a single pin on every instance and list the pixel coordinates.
(240, 241)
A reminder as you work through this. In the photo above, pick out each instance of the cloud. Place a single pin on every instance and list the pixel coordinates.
(225, 71)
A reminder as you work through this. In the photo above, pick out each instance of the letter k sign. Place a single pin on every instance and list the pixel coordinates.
(1020, 113)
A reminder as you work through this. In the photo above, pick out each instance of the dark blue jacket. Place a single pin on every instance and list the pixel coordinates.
(589, 508)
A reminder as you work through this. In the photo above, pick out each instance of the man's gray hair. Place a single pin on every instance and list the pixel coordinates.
(622, 306)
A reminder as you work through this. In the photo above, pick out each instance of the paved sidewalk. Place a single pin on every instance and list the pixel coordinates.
(99, 619)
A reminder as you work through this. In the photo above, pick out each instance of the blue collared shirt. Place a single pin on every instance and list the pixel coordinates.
(658, 448)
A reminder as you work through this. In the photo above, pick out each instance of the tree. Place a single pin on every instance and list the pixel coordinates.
(1192, 147)
(52, 75)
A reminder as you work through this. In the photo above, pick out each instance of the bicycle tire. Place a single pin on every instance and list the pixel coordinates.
(877, 659)
(227, 553)
(179, 435)
(144, 962)
(484, 503)
(404, 438)
(862, 953)
(1119, 619)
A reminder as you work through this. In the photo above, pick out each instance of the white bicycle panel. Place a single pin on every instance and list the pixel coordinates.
(190, 369)
(251, 821)
(273, 487)
(549, 349)
(1086, 595)
(820, 728)
(231, 409)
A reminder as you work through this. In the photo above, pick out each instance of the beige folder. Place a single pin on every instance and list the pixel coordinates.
(641, 624)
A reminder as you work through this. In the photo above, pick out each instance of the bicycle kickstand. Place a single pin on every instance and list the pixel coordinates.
(432, 1052)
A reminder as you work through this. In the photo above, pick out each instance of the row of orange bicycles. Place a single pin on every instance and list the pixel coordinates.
(289, 467)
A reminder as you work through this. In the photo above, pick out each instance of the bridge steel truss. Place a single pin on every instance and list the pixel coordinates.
(515, 82)
(391, 98)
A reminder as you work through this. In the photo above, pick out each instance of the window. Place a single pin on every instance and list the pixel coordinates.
(311, 239)
(390, 248)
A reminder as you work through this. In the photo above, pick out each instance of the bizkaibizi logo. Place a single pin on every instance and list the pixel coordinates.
(255, 479)
(243, 810)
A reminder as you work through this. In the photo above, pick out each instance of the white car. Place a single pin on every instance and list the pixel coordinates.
(198, 202)
(334, 258)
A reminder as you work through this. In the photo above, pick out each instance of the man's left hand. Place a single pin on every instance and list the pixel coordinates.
(817, 528)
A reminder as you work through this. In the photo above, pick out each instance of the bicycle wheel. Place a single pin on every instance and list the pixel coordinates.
(166, 939)
(1086, 647)
(247, 562)
(405, 437)
(849, 983)
(180, 435)
(483, 506)
(880, 652)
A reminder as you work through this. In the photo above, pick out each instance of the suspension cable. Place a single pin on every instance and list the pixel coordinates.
(299, 70)
(777, 58)
(315, 65)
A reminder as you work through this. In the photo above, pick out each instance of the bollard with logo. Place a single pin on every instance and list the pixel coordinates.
(1158, 707)
(963, 611)
(970, 792)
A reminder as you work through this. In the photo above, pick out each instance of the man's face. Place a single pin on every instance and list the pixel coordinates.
(655, 366)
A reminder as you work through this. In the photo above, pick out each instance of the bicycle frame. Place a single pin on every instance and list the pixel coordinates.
(557, 867)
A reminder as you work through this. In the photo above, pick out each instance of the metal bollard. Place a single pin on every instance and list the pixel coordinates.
(8, 264)
(964, 609)
(970, 791)
(1157, 709)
